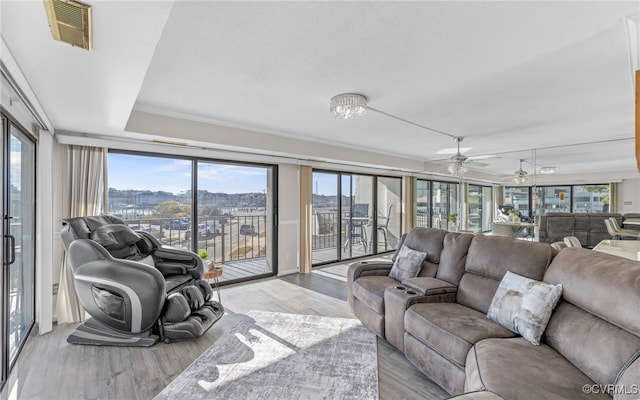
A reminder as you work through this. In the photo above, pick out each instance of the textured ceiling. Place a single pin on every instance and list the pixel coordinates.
(509, 77)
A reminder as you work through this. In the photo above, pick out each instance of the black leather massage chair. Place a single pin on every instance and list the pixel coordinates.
(136, 290)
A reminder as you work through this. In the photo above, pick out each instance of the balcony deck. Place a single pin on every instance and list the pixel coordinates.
(243, 269)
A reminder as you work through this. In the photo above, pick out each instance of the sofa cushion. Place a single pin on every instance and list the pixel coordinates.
(407, 264)
(524, 305)
(600, 310)
(599, 283)
(489, 258)
(429, 240)
(454, 257)
(370, 290)
(514, 369)
(450, 328)
(599, 349)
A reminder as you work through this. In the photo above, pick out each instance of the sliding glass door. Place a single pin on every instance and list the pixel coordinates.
(18, 210)
(224, 208)
(354, 215)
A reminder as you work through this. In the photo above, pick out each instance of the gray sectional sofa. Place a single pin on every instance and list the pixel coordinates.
(589, 228)
(439, 318)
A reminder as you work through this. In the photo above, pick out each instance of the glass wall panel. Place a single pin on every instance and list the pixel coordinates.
(357, 215)
(326, 220)
(18, 232)
(516, 197)
(480, 202)
(554, 199)
(152, 193)
(591, 198)
(444, 200)
(487, 209)
(423, 203)
(389, 212)
(354, 215)
(234, 218)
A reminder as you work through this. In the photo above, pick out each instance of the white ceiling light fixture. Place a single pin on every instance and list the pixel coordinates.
(353, 105)
(547, 170)
(348, 106)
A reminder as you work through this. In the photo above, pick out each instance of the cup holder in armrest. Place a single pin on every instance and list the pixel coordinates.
(410, 292)
(400, 287)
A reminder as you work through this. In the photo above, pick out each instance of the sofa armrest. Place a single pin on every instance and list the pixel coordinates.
(368, 268)
(429, 286)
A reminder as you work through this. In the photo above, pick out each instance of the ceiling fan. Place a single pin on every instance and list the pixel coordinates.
(458, 163)
(520, 176)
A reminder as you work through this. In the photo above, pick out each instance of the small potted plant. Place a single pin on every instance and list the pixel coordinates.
(210, 268)
(453, 222)
(514, 216)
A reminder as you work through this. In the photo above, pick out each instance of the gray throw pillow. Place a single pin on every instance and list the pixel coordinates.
(524, 305)
(408, 263)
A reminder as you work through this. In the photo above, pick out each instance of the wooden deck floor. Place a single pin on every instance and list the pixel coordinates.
(235, 270)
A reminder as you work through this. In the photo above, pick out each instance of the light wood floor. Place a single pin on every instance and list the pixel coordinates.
(50, 368)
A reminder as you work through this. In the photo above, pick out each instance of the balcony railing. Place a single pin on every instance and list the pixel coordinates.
(226, 238)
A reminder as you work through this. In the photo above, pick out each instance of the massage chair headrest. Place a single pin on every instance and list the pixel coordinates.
(122, 241)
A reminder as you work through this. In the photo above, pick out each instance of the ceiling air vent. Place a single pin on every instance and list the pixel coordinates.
(70, 22)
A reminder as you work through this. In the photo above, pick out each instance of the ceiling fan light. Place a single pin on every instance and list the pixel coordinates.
(348, 106)
(519, 179)
(457, 169)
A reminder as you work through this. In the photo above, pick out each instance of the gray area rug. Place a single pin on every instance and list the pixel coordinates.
(284, 356)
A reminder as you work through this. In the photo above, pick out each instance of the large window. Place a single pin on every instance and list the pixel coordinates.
(436, 203)
(480, 204)
(354, 215)
(552, 199)
(227, 209)
(591, 198)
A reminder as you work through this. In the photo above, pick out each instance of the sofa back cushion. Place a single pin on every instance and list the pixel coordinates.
(559, 225)
(597, 325)
(454, 257)
(489, 258)
(430, 241)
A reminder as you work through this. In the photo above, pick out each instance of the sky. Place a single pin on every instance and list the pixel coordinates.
(174, 175)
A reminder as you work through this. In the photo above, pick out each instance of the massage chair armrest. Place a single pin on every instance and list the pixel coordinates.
(368, 268)
(126, 295)
(171, 258)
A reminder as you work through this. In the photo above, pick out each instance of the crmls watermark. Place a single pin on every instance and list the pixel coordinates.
(611, 389)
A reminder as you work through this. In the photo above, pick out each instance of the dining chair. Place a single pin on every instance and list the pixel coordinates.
(383, 228)
(572, 241)
(621, 232)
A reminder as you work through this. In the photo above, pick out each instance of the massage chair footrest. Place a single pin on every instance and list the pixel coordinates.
(196, 325)
(95, 333)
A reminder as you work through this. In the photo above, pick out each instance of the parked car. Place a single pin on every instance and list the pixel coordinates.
(203, 231)
(247, 230)
(178, 224)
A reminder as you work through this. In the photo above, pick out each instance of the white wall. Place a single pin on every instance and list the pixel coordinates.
(629, 196)
(60, 203)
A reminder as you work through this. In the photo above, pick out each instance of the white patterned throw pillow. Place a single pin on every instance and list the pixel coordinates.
(524, 305)
(408, 263)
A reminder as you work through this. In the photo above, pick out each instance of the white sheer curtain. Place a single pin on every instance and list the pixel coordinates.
(87, 194)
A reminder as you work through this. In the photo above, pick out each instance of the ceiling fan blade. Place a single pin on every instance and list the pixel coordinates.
(476, 164)
(484, 157)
